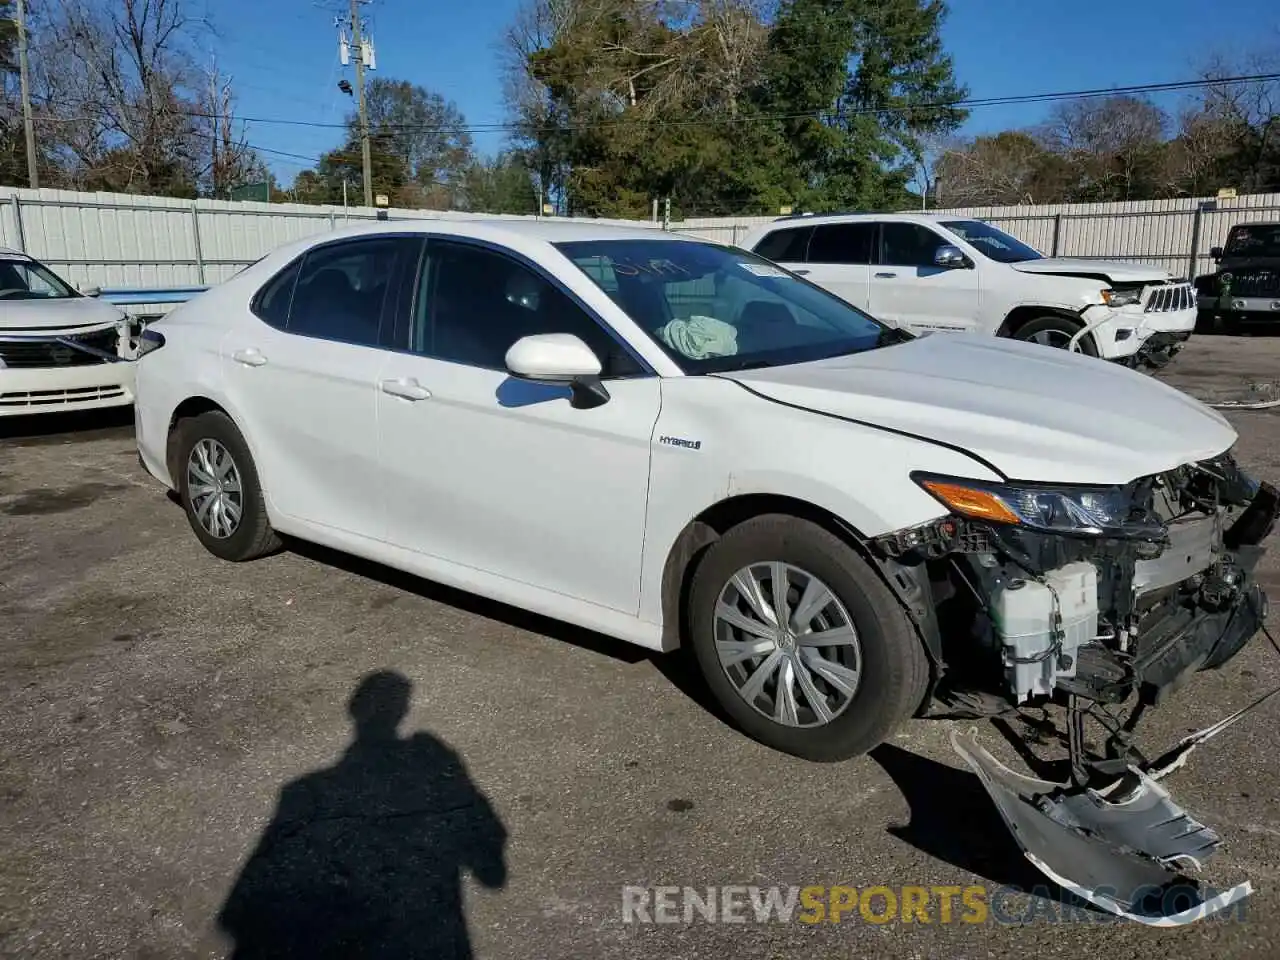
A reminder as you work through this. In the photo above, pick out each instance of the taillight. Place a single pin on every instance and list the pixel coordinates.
(149, 341)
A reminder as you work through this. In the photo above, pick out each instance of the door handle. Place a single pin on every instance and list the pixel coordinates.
(250, 357)
(886, 276)
(408, 389)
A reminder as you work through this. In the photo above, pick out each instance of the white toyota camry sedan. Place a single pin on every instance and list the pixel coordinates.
(678, 443)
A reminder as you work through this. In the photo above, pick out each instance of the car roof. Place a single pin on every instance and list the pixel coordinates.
(501, 230)
(808, 219)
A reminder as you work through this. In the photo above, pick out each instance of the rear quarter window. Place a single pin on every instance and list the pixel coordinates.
(785, 246)
(271, 303)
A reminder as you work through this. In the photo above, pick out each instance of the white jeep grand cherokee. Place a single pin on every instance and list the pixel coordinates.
(938, 272)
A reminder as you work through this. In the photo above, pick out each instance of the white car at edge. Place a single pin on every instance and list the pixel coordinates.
(60, 350)
(945, 272)
(675, 442)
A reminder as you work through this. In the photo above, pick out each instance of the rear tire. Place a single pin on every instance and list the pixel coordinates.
(219, 489)
(822, 701)
(1052, 331)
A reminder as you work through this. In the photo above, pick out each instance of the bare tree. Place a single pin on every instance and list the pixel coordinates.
(1113, 142)
(121, 78)
(1247, 114)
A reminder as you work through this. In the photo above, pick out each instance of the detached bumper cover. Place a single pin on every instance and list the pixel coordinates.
(1125, 856)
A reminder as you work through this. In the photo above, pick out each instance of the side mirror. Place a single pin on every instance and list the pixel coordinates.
(950, 258)
(559, 358)
(92, 291)
(1215, 254)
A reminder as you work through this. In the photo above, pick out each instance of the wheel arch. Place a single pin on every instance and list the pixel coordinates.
(205, 402)
(712, 523)
(1023, 314)
(192, 406)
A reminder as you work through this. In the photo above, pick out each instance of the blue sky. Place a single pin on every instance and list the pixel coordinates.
(283, 54)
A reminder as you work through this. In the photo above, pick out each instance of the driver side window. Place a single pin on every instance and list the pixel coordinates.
(909, 245)
(478, 302)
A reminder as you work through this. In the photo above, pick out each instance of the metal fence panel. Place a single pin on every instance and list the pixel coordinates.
(121, 240)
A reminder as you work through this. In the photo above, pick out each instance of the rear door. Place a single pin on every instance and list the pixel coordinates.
(304, 379)
(908, 289)
(839, 259)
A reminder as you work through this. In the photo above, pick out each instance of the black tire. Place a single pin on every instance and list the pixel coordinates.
(253, 536)
(1060, 327)
(895, 668)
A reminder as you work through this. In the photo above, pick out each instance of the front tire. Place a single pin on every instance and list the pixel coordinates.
(219, 488)
(1056, 332)
(845, 669)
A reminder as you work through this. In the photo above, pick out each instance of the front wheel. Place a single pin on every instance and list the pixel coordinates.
(801, 642)
(1055, 332)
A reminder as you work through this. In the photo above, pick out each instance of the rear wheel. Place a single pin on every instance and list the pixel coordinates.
(219, 489)
(801, 642)
(1052, 331)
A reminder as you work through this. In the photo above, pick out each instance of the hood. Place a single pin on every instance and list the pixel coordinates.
(1114, 271)
(21, 315)
(1034, 412)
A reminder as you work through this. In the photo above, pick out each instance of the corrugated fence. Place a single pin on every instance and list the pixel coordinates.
(120, 240)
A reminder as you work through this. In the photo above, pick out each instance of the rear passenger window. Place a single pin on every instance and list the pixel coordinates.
(785, 246)
(843, 243)
(342, 287)
(272, 302)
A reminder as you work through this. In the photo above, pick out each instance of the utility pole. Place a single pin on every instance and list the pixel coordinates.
(366, 161)
(33, 174)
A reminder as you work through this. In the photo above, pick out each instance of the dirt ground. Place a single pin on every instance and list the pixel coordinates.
(180, 770)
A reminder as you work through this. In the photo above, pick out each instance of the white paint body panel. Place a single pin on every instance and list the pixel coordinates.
(501, 487)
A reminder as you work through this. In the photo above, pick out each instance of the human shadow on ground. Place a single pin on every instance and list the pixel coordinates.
(366, 858)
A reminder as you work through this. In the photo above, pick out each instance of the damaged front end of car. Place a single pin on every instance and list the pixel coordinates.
(1104, 600)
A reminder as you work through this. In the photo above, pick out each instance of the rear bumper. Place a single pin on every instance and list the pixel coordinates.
(59, 389)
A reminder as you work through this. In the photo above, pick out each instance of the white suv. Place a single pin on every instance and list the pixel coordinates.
(937, 272)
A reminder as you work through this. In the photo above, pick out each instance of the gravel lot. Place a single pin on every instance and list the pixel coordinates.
(164, 715)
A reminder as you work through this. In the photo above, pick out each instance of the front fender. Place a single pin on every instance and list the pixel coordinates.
(749, 445)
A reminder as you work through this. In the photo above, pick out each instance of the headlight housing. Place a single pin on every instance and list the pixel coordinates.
(1121, 298)
(1068, 510)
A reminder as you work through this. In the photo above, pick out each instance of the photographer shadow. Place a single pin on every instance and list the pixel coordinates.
(366, 858)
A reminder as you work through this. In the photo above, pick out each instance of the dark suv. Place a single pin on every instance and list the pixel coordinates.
(1245, 289)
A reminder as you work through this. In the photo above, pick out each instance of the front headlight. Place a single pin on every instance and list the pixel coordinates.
(1077, 511)
(1121, 298)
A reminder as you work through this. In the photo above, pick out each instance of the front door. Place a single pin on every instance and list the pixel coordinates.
(910, 290)
(502, 475)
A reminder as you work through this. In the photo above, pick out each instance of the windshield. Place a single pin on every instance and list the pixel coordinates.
(1257, 240)
(713, 308)
(992, 242)
(28, 280)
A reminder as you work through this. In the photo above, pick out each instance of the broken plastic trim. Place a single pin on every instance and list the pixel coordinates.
(1124, 856)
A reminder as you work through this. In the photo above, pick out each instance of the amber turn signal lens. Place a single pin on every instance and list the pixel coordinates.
(972, 503)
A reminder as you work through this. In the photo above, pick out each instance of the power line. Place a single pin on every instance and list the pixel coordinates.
(959, 103)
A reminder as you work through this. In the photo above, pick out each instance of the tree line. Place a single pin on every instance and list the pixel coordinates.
(722, 106)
